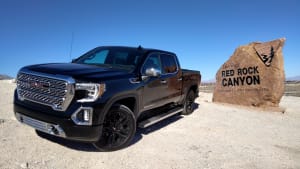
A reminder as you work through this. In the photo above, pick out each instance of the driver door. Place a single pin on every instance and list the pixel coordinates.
(155, 89)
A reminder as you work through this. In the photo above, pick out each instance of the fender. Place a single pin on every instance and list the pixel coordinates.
(115, 99)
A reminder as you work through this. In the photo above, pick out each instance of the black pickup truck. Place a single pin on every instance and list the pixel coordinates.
(105, 94)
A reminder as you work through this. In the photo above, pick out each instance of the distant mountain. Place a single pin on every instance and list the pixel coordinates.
(209, 81)
(5, 77)
(294, 78)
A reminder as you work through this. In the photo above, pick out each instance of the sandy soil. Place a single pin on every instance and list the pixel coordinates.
(214, 136)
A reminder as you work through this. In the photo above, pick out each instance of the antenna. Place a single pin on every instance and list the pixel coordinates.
(71, 47)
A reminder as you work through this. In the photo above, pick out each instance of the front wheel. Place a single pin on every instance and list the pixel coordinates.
(118, 129)
(188, 106)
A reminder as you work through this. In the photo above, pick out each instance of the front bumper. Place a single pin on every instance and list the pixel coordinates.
(59, 126)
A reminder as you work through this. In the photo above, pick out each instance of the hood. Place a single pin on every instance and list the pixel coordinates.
(79, 71)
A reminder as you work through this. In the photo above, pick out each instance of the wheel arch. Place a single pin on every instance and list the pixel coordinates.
(129, 100)
(194, 88)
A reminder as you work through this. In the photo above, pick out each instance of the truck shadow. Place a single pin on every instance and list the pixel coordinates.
(145, 131)
(140, 132)
(68, 143)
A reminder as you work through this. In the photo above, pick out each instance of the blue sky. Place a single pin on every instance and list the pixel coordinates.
(203, 33)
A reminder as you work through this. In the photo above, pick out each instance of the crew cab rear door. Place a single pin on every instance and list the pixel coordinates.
(172, 76)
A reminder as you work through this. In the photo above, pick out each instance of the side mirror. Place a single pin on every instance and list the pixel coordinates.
(152, 72)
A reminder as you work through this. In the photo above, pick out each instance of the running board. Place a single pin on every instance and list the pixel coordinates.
(158, 118)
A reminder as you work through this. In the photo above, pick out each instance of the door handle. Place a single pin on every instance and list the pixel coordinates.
(163, 81)
(179, 79)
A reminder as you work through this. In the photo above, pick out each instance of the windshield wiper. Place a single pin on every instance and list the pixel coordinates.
(126, 67)
(101, 65)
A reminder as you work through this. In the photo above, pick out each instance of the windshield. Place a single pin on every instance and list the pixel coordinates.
(119, 58)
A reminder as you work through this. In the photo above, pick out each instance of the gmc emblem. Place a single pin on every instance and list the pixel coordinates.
(39, 85)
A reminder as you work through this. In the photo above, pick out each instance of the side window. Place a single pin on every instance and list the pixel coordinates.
(152, 62)
(168, 63)
(120, 58)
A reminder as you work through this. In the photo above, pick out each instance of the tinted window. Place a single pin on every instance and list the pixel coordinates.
(152, 62)
(168, 63)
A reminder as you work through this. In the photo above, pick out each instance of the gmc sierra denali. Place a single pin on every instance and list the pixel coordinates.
(105, 94)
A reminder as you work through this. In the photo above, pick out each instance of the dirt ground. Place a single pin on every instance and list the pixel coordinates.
(214, 136)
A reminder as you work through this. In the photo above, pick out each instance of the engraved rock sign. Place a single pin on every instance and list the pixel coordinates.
(253, 76)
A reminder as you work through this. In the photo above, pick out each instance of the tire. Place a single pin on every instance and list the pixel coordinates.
(188, 106)
(118, 129)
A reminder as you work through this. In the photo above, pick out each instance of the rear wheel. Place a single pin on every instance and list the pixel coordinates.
(188, 106)
(118, 129)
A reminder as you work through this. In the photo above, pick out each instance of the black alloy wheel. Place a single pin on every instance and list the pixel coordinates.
(188, 107)
(118, 129)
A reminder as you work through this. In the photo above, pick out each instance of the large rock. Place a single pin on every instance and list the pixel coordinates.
(253, 76)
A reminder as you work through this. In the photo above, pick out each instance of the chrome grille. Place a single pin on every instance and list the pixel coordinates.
(54, 91)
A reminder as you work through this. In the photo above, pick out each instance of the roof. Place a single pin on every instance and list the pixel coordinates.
(142, 49)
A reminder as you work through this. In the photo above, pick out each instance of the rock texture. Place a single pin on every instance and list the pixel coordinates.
(253, 76)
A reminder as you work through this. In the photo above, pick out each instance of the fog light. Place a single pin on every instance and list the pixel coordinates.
(86, 115)
(83, 116)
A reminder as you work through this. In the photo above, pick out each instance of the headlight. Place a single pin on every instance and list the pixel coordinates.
(89, 92)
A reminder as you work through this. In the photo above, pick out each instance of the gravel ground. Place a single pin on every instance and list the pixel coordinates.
(214, 136)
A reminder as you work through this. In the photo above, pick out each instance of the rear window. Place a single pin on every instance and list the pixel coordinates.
(168, 63)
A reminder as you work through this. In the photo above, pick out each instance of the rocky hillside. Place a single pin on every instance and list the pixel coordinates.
(5, 77)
